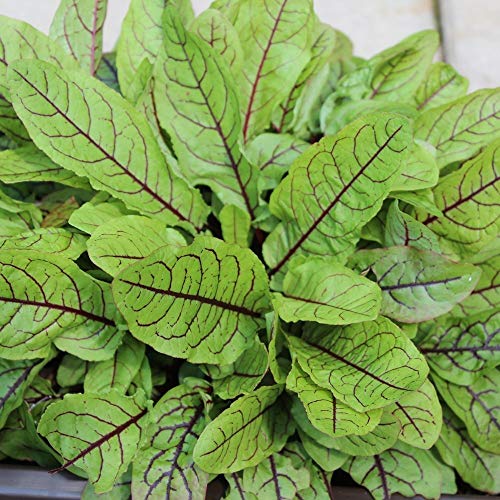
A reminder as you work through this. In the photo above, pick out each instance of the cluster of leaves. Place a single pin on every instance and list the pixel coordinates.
(232, 249)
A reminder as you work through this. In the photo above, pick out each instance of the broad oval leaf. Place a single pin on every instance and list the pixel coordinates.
(459, 129)
(366, 365)
(334, 188)
(339, 296)
(98, 434)
(164, 466)
(203, 302)
(49, 299)
(250, 430)
(101, 136)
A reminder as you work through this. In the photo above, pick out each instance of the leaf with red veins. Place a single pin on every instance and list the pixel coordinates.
(77, 27)
(274, 35)
(89, 129)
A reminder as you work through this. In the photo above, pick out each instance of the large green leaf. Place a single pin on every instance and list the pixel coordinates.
(339, 296)
(102, 137)
(468, 199)
(164, 466)
(366, 365)
(250, 430)
(274, 35)
(418, 285)
(98, 434)
(211, 114)
(48, 298)
(323, 209)
(459, 349)
(203, 302)
(478, 407)
(461, 128)
(77, 27)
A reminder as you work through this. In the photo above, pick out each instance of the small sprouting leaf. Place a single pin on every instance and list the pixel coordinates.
(475, 466)
(275, 40)
(102, 137)
(250, 430)
(279, 365)
(459, 129)
(459, 349)
(164, 466)
(235, 225)
(339, 296)
(98, 434)
(441, 85)
(123, 240)
(477, 406)
(48, 298)
(420, 415)
(366, 365)
(203, 302)
(402, 469)
(468, 200)
(418, 285)
(323, 210)
(328, 459)
(77, 28)
(107, 72)
(325, 411)
(118, 372)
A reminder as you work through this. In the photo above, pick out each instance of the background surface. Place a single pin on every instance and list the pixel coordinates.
(471, 37)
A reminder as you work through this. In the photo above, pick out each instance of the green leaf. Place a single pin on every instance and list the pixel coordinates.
(420, 415)
(339, 296)
(468, 200)
(202, 303)
(121, 241)
(477, 406)
(460, 349)
(107, 72)
(366, 365)
(164, 466)
(477, 467)
(142, 35)
(458, 130)
(441, 85)
(402, 469)
(98, 434)
(418, 285)
(77, 28)
(211, 114)
(325, 215)
(326, 412)
(144, 379)
(320, 488)
(328, 459)
(120, 491)
(102, 137)
(49, 299)
(250, 430)
(275, 40)
(279, 366)
(235, 225)
(423, 198)
(71, 371)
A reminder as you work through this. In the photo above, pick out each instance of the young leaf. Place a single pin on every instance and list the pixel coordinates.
(477, 467)
(279, 366)
(107, 72)
(103, 138)
(477, 406)
(202, 303)
(235, 225)
(120, 491)
(338, 297)
(459, 129)
(402, 469)
(250, 430)
(77, 28)
(164, 465)
(459, 349)
(328, 459)
(420, 415)
(98, 434)
(323, 210)
(71, 371)
(48, 298)
(123, 240)
(275, 40)
(211, 114)
(418, 285)
(366, 365)
(320, 487)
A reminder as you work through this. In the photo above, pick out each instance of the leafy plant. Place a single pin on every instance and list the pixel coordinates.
(232, 251)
